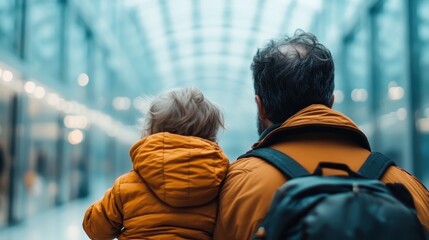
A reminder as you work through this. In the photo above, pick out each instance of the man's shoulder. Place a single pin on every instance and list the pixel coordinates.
(250, 164)
(396, 174)
(417, 189)
(245, 197)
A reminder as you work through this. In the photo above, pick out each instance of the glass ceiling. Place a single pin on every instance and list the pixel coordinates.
(210, 44)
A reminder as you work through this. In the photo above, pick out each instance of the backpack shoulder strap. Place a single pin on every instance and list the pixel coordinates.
(375, 166)
(289, 167)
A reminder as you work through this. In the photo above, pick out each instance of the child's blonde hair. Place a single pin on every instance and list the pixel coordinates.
(186, 112)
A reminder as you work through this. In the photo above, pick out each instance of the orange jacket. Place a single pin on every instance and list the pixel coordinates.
(314, 134)
(169, 194)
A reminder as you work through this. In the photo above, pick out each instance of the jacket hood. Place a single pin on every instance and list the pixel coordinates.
(182, 171)
(315, 117)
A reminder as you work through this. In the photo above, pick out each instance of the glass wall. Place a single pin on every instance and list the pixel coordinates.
(358, 77)
(391, 76)
(76, 161)
(70, 58)
(79, 43)
(6, 129)
(36, 178)
(11, 12)
(100, 73)
(43, 37)
(422, 41)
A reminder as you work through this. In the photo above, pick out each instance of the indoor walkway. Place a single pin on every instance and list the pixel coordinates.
(60, 223)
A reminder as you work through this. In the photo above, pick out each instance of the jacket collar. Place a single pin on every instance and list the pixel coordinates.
(315, 117)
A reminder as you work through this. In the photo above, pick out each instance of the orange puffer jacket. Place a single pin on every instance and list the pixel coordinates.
(316, 133)
(170, 193)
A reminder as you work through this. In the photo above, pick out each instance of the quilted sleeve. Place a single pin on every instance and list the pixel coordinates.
(245, 198)
(103, 219)
(415, 187)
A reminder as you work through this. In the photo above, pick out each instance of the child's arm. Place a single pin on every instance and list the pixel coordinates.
(103, 219)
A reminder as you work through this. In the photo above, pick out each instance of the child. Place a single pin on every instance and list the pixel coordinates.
(172, 189)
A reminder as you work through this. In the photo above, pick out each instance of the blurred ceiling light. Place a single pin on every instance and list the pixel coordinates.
(339, 96)
(359, 95)
(83, 79)
(7, 76)
(396, 93)
(423, 125)
(75, 137)
(39, 92)
(121, 103)
(1, 72)
(30, 87)
(75, 121)
(52, 99)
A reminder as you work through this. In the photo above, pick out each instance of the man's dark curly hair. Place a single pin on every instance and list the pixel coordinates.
(292, 73)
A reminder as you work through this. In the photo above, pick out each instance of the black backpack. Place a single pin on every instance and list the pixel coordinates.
(357, 206)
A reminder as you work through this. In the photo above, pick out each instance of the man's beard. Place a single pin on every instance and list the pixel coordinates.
(260, 126)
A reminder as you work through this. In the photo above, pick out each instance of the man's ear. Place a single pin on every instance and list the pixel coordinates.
(331, 102)
(261, 109)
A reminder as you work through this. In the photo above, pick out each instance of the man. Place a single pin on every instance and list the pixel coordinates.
(294, 83)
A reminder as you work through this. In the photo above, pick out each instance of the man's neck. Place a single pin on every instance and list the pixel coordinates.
(269, 129)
